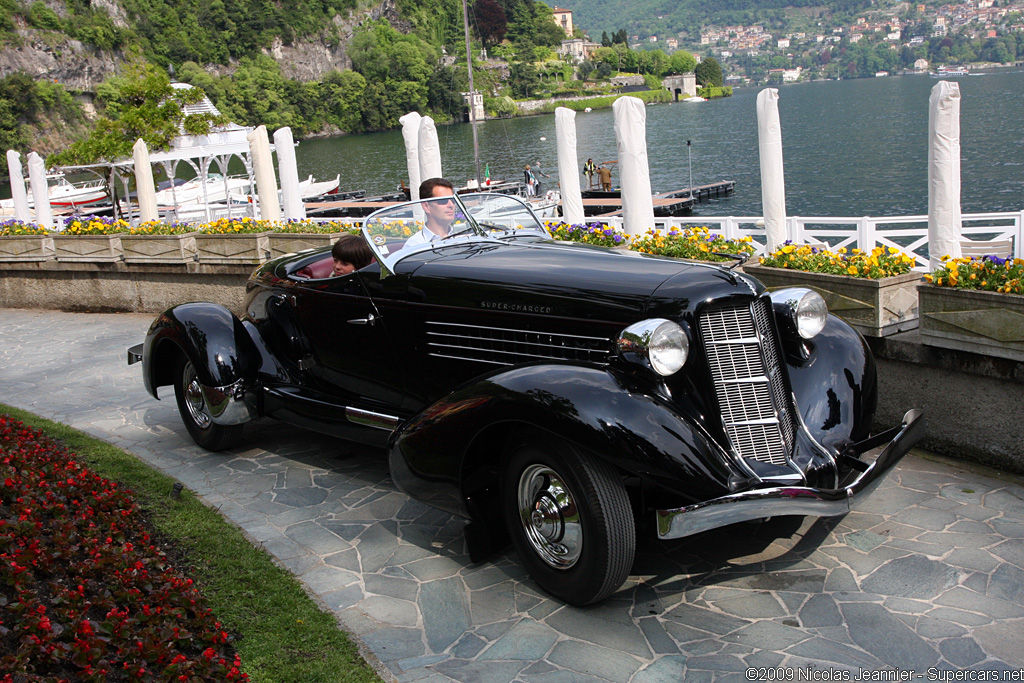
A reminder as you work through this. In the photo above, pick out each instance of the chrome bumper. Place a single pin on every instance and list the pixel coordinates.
(794, 500)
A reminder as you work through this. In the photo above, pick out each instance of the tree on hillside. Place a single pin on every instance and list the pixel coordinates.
(491, 22)
(709, 72)
(523, 79)
(681, 62)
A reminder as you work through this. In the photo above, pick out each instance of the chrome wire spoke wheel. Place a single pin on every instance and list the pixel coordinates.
(550, 516)
(194, 401)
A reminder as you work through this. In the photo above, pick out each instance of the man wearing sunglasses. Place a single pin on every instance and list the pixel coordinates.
(439, 214)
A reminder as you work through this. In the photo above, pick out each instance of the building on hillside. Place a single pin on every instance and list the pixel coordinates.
(563, 17)
(577, 50)
(921, 65)
(783, 43)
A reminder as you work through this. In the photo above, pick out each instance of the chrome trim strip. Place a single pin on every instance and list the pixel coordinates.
(519, 331)
(514, 354)
(538, 345)
(790, 500)
(368, 418)
(478, 360)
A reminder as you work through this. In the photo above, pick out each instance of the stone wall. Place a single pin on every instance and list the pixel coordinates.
(120, 287)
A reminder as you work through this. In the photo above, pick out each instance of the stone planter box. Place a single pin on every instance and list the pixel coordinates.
(247, 248)
(159, 248)
(26, 248)
(94, 248)
(282, 243)
(982, 322)
(875, 308)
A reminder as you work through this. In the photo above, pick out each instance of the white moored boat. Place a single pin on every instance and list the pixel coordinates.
(65, 195)
(217, 189)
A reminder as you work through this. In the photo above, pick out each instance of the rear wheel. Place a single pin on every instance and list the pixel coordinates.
(569, 518)
(196, 415)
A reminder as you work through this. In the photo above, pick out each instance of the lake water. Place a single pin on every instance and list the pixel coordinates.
(851, 148)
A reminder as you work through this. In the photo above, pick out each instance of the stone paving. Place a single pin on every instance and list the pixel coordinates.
(929, 575)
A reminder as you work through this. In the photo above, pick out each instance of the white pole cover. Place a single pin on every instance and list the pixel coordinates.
(40, 190)
(565, 132)
(288, 168)
(773, 180)
(430, 150)
(18, 193)
(944, 220)
(411, 135)
(631, 142)
(144, 182)
(263, 169)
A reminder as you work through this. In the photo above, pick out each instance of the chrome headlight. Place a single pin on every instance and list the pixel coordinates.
(801, 310)
(657, 343)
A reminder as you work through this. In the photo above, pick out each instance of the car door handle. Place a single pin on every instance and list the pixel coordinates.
(368, 320)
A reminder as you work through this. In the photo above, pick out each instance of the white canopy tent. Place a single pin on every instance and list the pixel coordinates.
(572, 198)
(944, 219)
(773, 181)
(200, 152)
(631, 142)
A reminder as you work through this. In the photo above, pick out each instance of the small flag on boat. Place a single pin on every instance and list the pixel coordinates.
(487, 170)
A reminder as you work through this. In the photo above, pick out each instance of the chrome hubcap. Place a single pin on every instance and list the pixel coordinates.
(549, 516)
(194, 401)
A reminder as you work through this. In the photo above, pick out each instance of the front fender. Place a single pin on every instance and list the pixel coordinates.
(600, 409)
(834, 382)
(221, 350)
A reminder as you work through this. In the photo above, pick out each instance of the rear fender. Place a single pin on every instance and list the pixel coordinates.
(452, 449)
(220, 347)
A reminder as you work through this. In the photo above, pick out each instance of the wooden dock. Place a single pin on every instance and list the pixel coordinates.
(595, 202)
(666, 204)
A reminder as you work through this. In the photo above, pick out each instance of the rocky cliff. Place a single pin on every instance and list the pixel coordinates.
(48, 55)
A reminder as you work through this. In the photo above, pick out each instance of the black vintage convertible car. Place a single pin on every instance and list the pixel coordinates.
(562, 396)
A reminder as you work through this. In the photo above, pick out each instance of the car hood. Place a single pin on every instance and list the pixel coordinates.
(565, 280)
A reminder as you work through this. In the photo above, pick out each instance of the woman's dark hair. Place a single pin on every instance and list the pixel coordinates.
(352, 249)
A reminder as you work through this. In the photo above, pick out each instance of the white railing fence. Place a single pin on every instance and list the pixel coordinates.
(907, 233)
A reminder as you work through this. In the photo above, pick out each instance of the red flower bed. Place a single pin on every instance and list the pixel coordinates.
(84, 593)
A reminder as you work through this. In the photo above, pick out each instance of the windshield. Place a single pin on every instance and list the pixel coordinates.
(403, 229)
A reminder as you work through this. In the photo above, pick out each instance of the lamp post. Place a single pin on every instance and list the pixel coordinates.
(690, 166)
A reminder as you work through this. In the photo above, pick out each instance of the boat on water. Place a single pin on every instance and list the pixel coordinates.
(948, 71)
(66, 196)
(216, 189)
(695, 98)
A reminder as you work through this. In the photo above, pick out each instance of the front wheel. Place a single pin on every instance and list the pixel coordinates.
(196, 415)
(569, 518)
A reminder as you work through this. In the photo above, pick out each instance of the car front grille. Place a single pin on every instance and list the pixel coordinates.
(507, 346)
(744, 360)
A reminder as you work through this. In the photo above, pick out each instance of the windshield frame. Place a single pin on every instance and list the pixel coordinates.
(388, 229)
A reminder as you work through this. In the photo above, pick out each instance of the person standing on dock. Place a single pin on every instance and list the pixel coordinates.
(536, 173)
(589, 169)
(531, 182)
(606, 178)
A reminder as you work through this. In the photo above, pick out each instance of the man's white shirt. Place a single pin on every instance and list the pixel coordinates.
(424, 236)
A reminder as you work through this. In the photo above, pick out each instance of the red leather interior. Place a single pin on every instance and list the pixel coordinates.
(317, 270)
